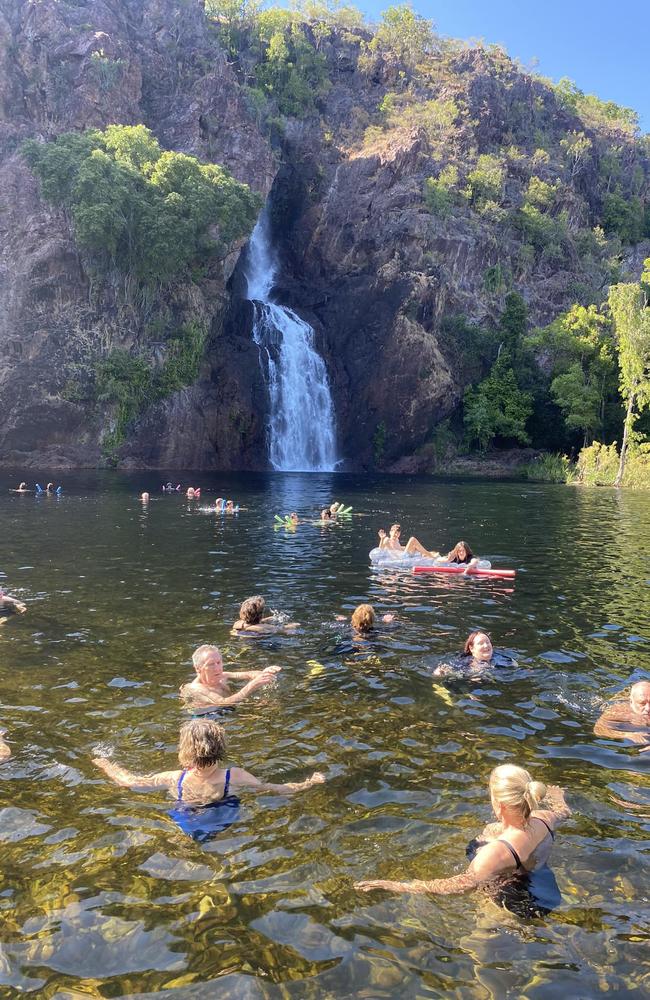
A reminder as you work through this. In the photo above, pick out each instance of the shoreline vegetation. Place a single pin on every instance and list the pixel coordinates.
(595, 465)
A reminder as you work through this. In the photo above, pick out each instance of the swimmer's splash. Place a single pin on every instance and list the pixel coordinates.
(302, 433)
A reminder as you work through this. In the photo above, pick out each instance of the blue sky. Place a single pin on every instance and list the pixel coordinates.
(602, 47)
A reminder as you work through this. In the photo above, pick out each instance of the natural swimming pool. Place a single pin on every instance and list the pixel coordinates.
(102, 895)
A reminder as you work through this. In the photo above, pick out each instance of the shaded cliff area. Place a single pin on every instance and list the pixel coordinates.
(412, 190)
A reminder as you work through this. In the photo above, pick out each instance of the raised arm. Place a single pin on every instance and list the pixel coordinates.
(555, 802)
(240, 777)
(251, 675)
(138, 782)
(207, 702)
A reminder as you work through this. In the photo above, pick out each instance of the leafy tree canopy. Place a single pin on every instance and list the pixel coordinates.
(147, 212)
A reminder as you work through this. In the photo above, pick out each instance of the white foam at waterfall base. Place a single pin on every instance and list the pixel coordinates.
(302, 432)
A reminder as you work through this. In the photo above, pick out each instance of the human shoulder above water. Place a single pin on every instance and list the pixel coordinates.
(251, 621)
(628, 719)
(10, 605)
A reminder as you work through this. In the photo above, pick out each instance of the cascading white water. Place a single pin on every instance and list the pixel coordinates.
(302, 432)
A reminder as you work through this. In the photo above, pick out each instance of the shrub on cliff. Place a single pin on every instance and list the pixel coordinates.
(134, 207)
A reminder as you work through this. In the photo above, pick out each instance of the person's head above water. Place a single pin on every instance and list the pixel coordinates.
(325, 514)
(252, 610)
(479, 646)
(363, 618)
(334, 507)
(208, 663)
(460, 551)
(514, 794)
(202, 743)
(640, 699)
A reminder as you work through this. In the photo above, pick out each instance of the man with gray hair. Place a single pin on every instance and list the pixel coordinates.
(629, 719)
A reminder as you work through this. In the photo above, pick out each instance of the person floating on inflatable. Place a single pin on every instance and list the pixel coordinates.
(210, 691)
(203, 787)
(413, 546)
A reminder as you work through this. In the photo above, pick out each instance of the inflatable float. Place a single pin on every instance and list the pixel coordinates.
(390, 559)
(480, 570)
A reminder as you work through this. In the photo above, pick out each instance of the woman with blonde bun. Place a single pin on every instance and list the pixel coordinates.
(510, 851)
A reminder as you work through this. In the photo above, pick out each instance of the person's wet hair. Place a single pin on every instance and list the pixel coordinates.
(363, 618)
(201, 744)
(513, 786)
(199, 654)
(252, 610)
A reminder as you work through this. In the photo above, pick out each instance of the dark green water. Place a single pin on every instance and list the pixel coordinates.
(102, 896)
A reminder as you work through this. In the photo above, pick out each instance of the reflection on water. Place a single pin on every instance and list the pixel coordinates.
(103, 895)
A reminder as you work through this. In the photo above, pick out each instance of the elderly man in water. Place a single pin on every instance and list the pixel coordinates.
(630, 719)
(210, 691)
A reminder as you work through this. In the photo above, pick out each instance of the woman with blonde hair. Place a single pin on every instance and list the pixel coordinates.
(203, 786)
(510, 851)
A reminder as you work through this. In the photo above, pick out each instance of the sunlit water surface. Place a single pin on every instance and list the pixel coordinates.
(102, 895)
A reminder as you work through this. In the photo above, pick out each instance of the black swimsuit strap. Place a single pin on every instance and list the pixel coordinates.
(512, 851)
(552, 832)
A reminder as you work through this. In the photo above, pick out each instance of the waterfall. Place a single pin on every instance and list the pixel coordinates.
(302, 433)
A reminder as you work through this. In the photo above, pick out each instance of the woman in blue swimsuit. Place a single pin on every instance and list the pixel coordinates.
(203, 788)
(512, 853)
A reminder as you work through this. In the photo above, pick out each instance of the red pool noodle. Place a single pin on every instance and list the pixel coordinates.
(507, 574)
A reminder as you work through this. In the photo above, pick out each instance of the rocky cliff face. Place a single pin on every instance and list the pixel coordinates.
(400, 288)
(68, 67)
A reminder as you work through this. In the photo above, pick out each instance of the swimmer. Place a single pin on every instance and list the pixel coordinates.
(293, 518)
(22, 488)
(191, 493)
(10, 605)
(364, 619)
(461, 553)
(392, 542)
(630, 719)
(49, 488)
(202, 779)
(251, 621)
(334, 509)
(5, 749)
(513, 848)
(145, 498)
(209, 690)
(326, 515)
(477, 654)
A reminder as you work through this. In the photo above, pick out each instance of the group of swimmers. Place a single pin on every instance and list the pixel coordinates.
(514, 850)
(194, 493)
(50, 489)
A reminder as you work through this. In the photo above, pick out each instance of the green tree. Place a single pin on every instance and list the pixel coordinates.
(497, 408)
(406, 35)
(578, 348)
(514, 323)
(631, 316)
